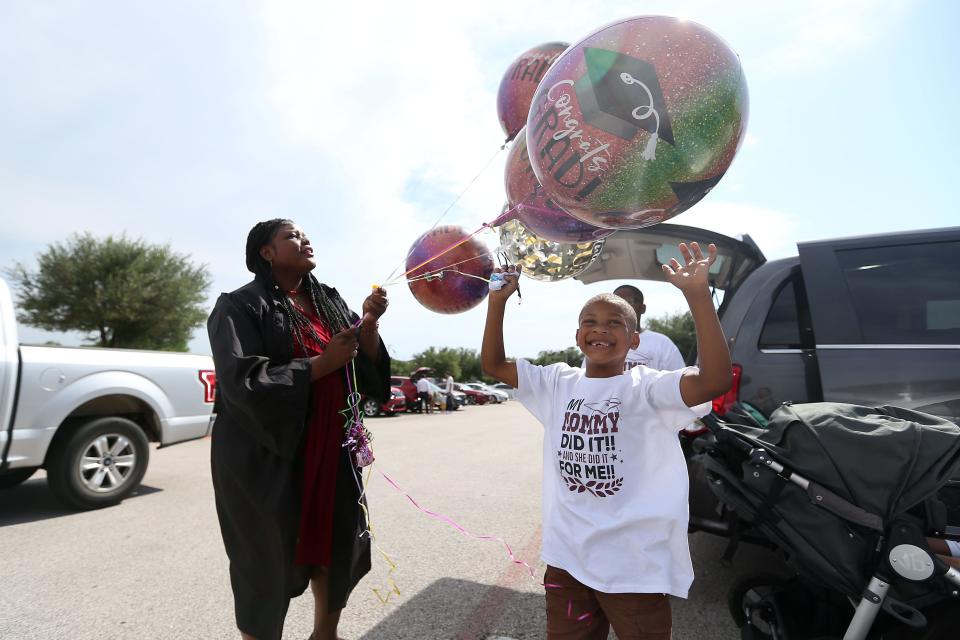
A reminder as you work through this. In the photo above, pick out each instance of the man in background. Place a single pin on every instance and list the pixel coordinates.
(448, 391)
(423, 388)
(655, 350)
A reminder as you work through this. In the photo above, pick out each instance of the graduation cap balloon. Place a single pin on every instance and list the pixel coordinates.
(637, 122)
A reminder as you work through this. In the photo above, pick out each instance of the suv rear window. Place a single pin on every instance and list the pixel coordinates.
(907, 294)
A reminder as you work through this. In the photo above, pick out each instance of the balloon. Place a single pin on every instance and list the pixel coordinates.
(542, 259)
(534, 209)
(452, 282)
(519, 83)
(637, 122)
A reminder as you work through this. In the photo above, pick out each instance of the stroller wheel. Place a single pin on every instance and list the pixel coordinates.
(752, 602)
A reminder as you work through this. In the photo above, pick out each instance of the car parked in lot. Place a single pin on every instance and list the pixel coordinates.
(87, 415)
(496, 396)
(868, 320)
(412, 397)
(409, 389)
(396, 403)
(473, 396)
(439, 395)
(507, 389)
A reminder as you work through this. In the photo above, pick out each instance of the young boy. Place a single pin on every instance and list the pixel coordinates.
(614, 477)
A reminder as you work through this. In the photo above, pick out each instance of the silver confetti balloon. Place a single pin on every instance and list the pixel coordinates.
(544, 259)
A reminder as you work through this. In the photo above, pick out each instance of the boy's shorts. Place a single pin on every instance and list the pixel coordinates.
(634, 616)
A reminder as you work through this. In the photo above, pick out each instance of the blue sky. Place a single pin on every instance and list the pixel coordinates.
(186, 122)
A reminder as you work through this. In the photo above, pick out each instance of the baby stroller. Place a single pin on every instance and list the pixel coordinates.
(849, 495)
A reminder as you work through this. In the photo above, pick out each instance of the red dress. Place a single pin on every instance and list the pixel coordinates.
(321, 453)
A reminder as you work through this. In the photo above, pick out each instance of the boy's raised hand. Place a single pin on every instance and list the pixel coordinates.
(511, 277)
(503, 283)
(692, 275)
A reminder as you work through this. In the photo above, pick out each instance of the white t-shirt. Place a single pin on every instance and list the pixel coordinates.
(614, 477)
(448, 384)
(655, 350)
(423, 385)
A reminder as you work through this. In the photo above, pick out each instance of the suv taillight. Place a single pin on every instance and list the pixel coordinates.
(722, 404)
(209, 380)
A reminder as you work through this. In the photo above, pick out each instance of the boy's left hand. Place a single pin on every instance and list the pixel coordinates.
(694, 274)
(511, 275)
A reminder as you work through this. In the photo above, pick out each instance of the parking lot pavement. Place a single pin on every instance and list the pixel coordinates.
(154, 566)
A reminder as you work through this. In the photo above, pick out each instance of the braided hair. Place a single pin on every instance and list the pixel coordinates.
(330, 309)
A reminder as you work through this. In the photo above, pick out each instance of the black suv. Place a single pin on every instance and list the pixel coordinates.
(868, 320)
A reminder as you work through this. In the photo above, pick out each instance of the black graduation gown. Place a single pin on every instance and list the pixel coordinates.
(263, 398)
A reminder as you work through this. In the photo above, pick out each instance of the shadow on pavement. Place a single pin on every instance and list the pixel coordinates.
(464, 610)
(33, 501)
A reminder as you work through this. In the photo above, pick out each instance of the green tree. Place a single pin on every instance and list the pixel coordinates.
(122, 293)
(679, 328)
(571, 355)
(462, 364)
(401, 367)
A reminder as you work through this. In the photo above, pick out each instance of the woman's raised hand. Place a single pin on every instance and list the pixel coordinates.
(376, 303)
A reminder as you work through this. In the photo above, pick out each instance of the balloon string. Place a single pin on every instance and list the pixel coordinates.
(500, 219)
(431, 276)
(438, 273)
(455, 525)
(449, 268)
(383, 594)
(513, 558)
(451, 205)
(441, 253)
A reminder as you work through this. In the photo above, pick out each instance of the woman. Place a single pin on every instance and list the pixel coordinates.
(287, 491)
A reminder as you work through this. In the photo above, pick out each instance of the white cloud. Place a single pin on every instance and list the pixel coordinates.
(775, 232)
(814, 33)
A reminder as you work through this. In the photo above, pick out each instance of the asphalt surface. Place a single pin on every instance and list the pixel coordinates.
(154, 566)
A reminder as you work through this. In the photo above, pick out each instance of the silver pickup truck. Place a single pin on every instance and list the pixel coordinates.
(87, 415)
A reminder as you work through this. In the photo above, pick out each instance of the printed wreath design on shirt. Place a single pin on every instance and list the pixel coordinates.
(599, 489)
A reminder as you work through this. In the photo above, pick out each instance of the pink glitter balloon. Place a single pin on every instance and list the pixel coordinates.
(520, 82)
(534, 209)
(452, 282)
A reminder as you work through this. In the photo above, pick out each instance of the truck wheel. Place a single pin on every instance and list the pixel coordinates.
(99, 463)
(371, 407)
(14, 477)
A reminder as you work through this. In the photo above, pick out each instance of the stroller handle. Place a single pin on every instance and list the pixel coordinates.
(818, 494)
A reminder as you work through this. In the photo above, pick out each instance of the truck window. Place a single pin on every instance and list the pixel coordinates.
(907, 294)
(781, 329)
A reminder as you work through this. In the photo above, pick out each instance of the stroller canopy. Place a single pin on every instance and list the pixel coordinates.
(883, 460)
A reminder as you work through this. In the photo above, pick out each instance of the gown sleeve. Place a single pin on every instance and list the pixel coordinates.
(269, 399)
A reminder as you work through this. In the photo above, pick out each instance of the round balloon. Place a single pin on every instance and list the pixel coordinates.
(542, 259)
(637, 122)
(448, 281)
(519, 83)
(534, 209)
